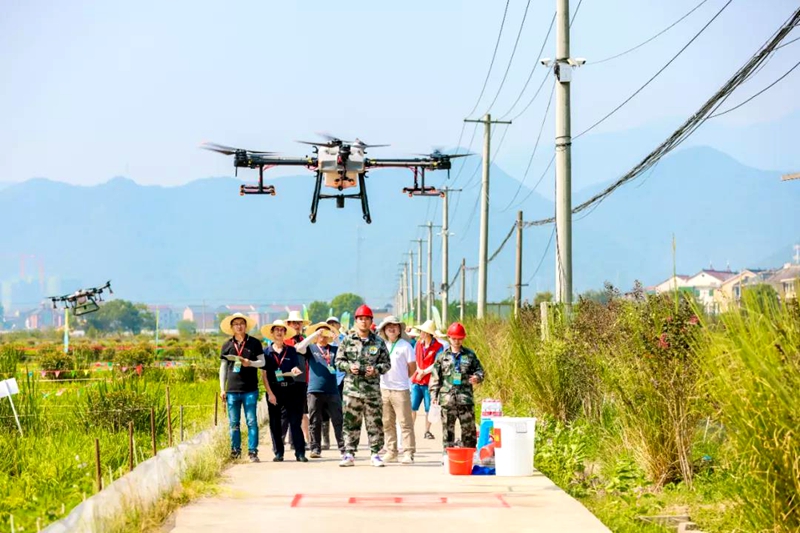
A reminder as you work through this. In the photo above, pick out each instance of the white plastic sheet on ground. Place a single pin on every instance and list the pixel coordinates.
(140, 488)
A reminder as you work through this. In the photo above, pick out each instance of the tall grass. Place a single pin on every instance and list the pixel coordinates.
(752, 368)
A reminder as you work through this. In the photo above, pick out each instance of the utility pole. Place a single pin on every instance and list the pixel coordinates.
(463, 288)
(563, 71)
(518, 270)
(411, 282)
(446, 252)
(429, 284)
(483, 246)
(419, 277)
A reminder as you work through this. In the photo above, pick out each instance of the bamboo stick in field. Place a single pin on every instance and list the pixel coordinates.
(216, 408)
(130, 446)
(181, 423)
(98, 468)
(153, 429)
(169, 420)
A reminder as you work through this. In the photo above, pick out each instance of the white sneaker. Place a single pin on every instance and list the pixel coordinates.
(347, 460)
(377, 461)
(444, 458)
(390, 457)
(408, 459)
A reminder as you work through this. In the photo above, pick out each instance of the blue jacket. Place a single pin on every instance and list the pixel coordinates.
(321, 379)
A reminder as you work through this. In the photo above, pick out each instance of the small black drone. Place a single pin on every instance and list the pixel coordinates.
(82, 301)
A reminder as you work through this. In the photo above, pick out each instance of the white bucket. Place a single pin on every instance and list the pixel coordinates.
(514, 454)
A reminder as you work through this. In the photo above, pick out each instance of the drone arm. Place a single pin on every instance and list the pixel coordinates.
(255, 161)
(430, 164)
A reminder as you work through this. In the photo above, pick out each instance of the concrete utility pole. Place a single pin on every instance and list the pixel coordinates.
(445, 253)
(419, 277)
(411, 282)
(518, 270)
(563, 71)
(483, 246)
(463, 288)
(429, 284)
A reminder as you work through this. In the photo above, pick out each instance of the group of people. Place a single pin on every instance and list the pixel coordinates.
(317, 376)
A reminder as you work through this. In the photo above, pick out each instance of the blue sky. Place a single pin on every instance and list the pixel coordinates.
(97, 89)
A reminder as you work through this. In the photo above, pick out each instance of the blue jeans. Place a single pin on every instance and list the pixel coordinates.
(418, 394)
(248, 400)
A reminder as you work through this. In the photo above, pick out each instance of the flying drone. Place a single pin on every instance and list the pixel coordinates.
(82, 301)
(338, 165)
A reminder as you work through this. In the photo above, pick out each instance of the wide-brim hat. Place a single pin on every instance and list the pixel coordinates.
(325, 327)
(391, 319)
(429, 327)
(266, 330)
(295, 316)
(441, 335)
(333, 319)
(225, 325)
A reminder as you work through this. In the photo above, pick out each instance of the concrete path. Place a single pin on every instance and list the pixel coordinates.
(319, 496)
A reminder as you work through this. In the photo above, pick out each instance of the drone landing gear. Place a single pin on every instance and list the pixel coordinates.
(257, 189)
(362, 184)
(315, 198)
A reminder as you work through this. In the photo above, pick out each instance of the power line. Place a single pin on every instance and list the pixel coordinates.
(535, 146)
(765, 89)
(547, 249)
(662, 69)
(536, 64)
(693, 122)
(662, 32)
(494, 55)
(502, 244)
(788, 43)
(550, 164)
(510, 59)
(575, 13)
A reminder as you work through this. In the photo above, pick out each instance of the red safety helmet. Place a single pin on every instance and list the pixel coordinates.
(364, 310)
(456, 331)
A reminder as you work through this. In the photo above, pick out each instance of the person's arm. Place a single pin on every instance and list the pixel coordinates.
(270, 395)
(302, 346)
(341, 362)
(477, 371)
(411, 360)
(436, 382)
(428, 370)
(383, 363)
(223, 374)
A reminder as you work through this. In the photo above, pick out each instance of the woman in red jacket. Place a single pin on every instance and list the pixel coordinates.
(427, 349)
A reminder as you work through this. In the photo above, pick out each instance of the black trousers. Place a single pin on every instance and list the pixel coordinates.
(285, 416)
(291, 399)
(319, 404)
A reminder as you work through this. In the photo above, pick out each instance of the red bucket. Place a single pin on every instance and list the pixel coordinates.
(459, 461)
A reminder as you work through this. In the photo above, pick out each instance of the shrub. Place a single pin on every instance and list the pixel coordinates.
(52, 357)
(139, 354)
(111, 405)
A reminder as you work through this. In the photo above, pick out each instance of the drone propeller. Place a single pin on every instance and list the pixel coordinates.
(437, 153)
(230, 150)
(362, 144)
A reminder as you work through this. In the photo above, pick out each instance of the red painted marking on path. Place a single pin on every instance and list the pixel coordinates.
(404, 501)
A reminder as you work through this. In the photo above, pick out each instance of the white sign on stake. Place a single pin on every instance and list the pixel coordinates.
(7, 388)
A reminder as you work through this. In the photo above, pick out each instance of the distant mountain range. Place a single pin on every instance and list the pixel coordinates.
(203, 242)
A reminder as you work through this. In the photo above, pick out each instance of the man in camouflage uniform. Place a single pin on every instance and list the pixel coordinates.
(455, 371)
(363, 357)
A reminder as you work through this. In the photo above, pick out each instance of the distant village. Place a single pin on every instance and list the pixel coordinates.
(715, 290)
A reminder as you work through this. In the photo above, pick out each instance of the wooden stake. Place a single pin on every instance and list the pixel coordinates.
(216, 408)
(98, 468)
(153, 429)
(130, 446)
(181, 423)
(169, 420)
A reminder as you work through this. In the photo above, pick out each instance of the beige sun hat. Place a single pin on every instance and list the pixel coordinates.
(429, 327)
(266, 331)
(295, 316)
(391, 319)
(326, 328)
(225, 325)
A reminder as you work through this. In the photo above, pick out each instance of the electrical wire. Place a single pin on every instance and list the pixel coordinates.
(494, 55)
(757, 94)
(510, 59)
(788, 43)
(693, 122)
(546, 249)
(550, 164)
(657, 74)
(530, 75)
(575, 13)
(502, 244)
(533, 154)
(662, 32)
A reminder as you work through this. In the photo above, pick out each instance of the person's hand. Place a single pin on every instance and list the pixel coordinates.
(223, 396)
(296, 371)
(272, 399)
(371, 371)
(474, 380)
(420, 372)
(355, 368)
(434, 401)
(245, 361)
